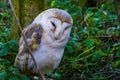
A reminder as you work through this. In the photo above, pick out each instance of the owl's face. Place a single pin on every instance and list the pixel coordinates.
(56, 23)
(59, 28)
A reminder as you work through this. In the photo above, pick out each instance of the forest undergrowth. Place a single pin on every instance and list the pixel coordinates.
(93, 50)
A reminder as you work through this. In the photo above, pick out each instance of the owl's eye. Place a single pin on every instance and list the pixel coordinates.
(66, 27)
(54, 26)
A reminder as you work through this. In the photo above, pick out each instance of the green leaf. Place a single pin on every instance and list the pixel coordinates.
(13, 45)
(15, 70)
(58, 76)
(14, 78)
(3, 51)
(69, 48)
(2, 45)
(116, 63)
(24, 77)
(6, 32)
(98, 54)
(3, 75)
(105, 13)
(2, 5)
(96, 19)
(52, 3)
(89, 42)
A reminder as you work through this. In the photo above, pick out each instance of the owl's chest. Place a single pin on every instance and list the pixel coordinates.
(48, 58)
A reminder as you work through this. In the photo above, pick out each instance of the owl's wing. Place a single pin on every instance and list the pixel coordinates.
(33, 34)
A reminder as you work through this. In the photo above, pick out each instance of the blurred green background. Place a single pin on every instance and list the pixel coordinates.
(93, 50)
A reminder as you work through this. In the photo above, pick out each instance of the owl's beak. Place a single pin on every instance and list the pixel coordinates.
(58, 33)
(57, 36)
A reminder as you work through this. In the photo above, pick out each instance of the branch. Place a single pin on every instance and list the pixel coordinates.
(30, 52)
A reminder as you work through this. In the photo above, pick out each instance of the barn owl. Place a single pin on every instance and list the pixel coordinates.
(46, 36)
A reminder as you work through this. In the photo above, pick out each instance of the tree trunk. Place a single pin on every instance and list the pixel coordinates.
(26, 11)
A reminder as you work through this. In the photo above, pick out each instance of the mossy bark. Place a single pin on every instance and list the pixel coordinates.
(14, 26)
(26, 11)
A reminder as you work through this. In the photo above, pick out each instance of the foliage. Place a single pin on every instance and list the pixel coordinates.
(93, 49)
(8, 47)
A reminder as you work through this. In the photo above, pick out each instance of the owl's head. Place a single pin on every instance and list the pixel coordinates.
(56, 22)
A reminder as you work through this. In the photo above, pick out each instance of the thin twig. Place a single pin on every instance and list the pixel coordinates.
(77, 58)
(109, 36)
(30, 52)
(108, 57)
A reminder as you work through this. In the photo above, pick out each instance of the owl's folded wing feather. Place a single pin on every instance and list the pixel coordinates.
(33, 34)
